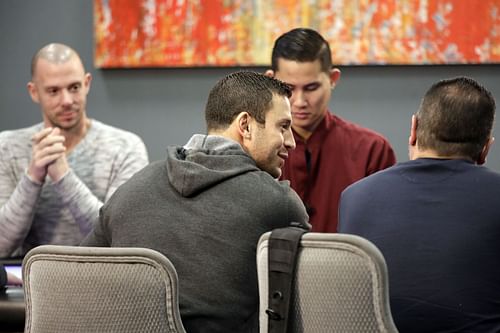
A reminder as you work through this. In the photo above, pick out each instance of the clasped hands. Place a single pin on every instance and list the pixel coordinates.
(48, 155)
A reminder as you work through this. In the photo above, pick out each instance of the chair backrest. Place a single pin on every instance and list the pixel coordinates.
(340, 285)
(90, 289)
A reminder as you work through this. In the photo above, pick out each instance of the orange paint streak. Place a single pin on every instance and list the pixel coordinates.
(128, 33)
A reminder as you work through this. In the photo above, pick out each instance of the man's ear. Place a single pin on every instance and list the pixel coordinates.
(87, 81)
(269, 73)
(33, 92)
(243, 121)
(412, 140)
(482, 157)
(334, 76)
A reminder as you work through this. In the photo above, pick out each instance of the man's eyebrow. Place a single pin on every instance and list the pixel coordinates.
(312, 83)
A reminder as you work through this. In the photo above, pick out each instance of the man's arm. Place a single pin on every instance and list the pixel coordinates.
(18, 200)
(82, 203)
(99, 235)
(17, 208)
(297, 214)
(381, 157)
(133, 159)
(351, 205)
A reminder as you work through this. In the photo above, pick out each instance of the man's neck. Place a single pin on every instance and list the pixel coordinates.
(428, 153)
(305, 133)
(75, 135)
(228, 133)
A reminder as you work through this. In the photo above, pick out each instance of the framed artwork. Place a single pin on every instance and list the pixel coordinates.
(206, 33)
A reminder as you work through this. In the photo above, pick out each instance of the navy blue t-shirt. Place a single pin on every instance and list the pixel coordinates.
(437, 223)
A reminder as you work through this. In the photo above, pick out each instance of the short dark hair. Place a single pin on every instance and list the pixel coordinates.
(243, 91)
(302, 44)
(456, 118)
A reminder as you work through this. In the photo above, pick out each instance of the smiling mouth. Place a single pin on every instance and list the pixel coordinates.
(67, 113)
(283, 156)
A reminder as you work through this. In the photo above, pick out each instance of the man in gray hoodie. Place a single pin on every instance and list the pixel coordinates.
(208, 203)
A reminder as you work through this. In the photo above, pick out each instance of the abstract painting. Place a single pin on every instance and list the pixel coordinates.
(207, 33)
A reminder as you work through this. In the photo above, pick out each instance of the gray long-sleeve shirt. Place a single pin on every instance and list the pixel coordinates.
(63, 212)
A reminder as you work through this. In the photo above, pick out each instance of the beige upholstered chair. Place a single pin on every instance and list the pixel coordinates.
(341, 285)
(85, 289)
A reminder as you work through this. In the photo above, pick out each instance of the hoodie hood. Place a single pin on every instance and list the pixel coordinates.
(205, 161)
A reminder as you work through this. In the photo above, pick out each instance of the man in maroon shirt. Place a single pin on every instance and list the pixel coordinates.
(331, 152)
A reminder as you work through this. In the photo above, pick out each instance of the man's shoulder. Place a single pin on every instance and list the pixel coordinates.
(105, 132)
(141, 182)
(379, 180)
(483, 173)
(17, 143)
(150, 174)
(261, 180)
(271, 194)
(263, 186)
(354, 131)
(20, 134)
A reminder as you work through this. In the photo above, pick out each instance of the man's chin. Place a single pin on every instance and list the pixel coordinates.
(67, 125)
(275, 173)
(302, 123)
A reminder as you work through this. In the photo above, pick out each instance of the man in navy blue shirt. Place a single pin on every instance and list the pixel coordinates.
(436, 217)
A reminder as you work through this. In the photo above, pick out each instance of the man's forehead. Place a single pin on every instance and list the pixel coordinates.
(60, 80)
(299, 73)
(59, 84)
(69, 68)
(73, 63)
(289, 65)
(280, 110)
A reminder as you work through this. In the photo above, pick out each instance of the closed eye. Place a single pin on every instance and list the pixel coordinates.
(312, 86)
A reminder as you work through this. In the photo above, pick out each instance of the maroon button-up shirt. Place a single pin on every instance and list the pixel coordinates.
(336, 155)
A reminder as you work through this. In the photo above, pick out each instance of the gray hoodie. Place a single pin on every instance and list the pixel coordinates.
(204, 208)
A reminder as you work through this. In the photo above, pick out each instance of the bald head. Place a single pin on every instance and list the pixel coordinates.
(54, 53)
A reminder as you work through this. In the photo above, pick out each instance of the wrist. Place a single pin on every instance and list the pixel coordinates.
(59, 175)
(35, 177)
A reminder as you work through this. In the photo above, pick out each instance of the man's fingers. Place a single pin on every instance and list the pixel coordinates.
(51, 140)
(48, 146)
(47, 142)
(48, 136)
(40, 135)
(47, 152)
(45, 160)
(55, 148)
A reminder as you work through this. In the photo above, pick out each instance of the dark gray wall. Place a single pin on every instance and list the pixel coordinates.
(164, 106)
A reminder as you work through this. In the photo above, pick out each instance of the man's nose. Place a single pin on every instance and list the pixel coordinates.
(289, 139)
(66, 97)
(298, 99)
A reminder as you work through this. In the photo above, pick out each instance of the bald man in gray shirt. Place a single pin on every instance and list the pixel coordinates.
(55, 176)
